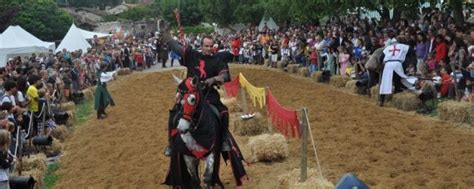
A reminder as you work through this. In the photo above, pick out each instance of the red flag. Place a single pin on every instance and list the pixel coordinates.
(283, 119)
(232, 87)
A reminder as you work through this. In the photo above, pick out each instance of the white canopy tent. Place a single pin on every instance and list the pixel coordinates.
(74, 40)
(90, 35)
(15, 41)
(269, 22)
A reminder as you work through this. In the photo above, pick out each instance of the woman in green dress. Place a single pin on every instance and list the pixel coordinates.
(102, 97)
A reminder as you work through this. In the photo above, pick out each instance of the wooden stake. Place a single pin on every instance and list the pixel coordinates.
(303, 148)
(244, 100)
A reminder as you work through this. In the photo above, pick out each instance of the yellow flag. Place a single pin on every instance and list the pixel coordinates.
(257, 94)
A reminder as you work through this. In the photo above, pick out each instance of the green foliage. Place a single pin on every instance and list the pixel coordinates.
(136, 13)
(198, 29)
(43, 19)
(94, 3)
(190, 13)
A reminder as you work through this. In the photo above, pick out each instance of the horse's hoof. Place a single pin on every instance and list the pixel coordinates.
(167, 151)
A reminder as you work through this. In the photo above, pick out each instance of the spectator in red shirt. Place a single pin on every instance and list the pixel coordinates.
(441, 49)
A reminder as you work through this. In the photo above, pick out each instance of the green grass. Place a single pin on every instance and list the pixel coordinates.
(51, 176)
(83, 111)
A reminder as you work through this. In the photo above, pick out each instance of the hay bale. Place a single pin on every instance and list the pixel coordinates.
(71, 119)
(317, 76)
(314, 181)
(303, 71)
(61, 132)
(55, 148)
(460, 112)
(88, 94)
(406, 101)
(250, 127)
(67, 106)
(338, 81)
(266, 62)
(232, 104)
(35, 161)
(281, 65)
(292, 68)
(268, 148)
(38, 175)
(183, 74)
(93, 88)
(374, 94)
(124, 71)
(351, 85)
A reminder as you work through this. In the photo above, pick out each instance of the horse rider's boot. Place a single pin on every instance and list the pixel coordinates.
(168, 151)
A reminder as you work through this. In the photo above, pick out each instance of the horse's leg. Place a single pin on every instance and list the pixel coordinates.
(192, 164)
(209, 168)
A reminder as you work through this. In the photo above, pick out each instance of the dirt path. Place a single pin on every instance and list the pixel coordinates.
(384, 147)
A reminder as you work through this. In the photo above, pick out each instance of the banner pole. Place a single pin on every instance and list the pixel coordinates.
(312, 142)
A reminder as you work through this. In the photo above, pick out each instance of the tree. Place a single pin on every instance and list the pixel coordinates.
(44, 20)
(8, 10)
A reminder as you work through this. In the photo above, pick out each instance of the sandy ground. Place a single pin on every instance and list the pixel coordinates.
(386, 148)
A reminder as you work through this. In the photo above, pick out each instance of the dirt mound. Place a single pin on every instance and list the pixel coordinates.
(385, 147)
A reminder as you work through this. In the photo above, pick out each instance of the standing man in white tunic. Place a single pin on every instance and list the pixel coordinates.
(393, 57)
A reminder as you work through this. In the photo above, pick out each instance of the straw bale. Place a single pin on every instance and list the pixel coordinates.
(303, 71)
(250, 127)
(351, 85)
(232, 104)
(281, 65)
(35, 161)
(374, 91)
(88, 94)
(61, 132)
(68, 106)
(183, 73)
(93, 88)
(72, 118)
(292, 68)
(268, 148)
(317, 76)
(266, 62)
(406, 101)
(456, 111)
(338, 81)
(314, 181)
(124, 71)
(55, 148)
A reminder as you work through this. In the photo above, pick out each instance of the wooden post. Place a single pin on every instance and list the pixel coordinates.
(303, 148)
(269, 120)
(244, 100)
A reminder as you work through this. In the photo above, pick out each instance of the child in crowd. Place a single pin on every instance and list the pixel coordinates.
(6, 158)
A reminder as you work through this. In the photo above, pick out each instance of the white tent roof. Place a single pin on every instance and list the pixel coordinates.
(15, 41)
(270, 24)
(74, 40)
(90, 35)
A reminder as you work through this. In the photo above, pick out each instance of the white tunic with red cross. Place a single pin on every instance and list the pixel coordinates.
(394, 57)
(395, 52)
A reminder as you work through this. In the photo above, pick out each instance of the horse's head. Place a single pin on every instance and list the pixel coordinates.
(189, 98)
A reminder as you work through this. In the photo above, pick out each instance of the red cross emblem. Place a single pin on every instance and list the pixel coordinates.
(394, 50)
